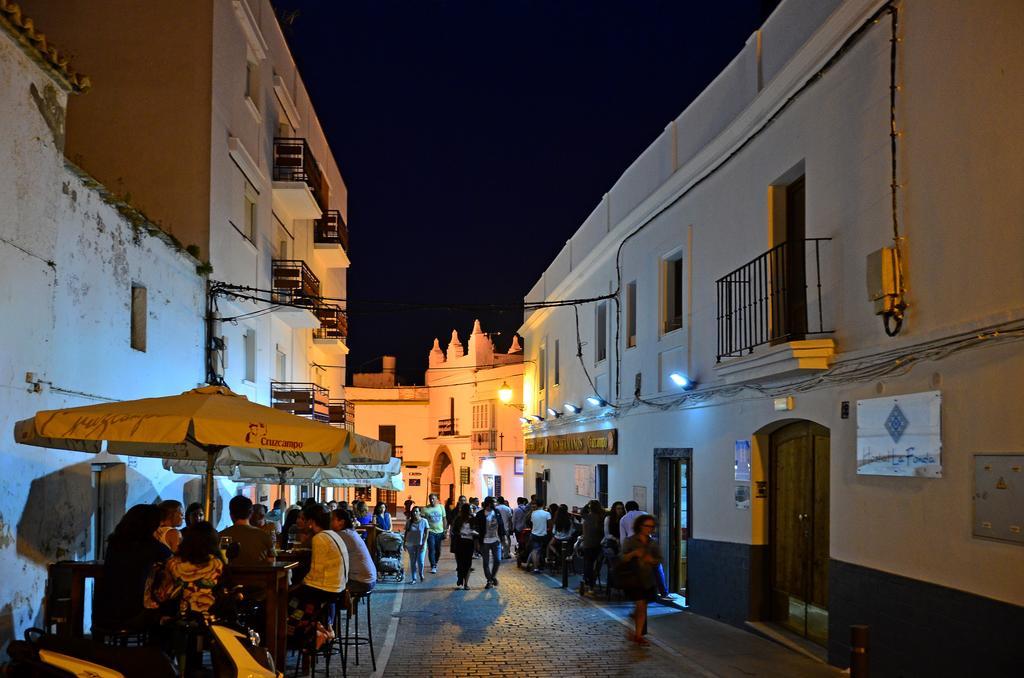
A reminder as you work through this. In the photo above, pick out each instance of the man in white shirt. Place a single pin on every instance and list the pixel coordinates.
(539, 536)
(626, 524)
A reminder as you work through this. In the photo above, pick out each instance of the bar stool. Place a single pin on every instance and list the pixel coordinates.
(355, 640)
(123, 636)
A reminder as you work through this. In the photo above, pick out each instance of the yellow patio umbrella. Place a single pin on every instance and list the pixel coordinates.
(209, 424)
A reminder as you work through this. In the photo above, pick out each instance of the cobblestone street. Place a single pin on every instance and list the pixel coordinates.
(530, 627)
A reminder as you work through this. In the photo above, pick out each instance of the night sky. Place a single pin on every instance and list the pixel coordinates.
(476, 136)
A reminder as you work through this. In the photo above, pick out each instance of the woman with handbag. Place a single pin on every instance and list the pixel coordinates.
(637, 572)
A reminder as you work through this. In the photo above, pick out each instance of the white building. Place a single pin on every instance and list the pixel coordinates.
(98, 304)
(454, 434)
(243, 172)
(776, 180)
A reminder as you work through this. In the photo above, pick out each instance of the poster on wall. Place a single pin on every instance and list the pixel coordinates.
(900, 436)
(640, 496)
(585, 480)
(743, 497)
(741, 460)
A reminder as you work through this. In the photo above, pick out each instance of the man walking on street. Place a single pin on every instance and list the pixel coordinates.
(436, 526)
(505, 512)
(539, 537)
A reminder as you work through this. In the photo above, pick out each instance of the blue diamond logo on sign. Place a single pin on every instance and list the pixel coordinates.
(896, 423)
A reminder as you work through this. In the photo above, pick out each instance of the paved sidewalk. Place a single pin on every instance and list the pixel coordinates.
(529, 627)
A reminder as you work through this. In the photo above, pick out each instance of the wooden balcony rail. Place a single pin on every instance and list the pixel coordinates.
(301, 399)
(342, 412)
(294, 282)
(333, 322)
(773, 299)
(484, 440)
(294, 161)
(447, 427)
(331, 229)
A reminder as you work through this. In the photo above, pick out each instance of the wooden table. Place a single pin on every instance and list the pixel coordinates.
(274, 580)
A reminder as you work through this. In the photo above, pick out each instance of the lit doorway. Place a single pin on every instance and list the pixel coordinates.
(673, 509)
(442, 474)
(799, 529)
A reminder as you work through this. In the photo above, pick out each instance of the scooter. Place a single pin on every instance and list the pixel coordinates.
(235, 653)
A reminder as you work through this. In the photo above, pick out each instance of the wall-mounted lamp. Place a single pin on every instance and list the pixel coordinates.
(573, 409)
(535, 418)
(524, 420)
(505, 396)
(682, 381)
(597, 402)
(552, 412)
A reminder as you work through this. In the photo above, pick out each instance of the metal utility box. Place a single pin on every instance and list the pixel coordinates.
(999, 497)
(883, 279)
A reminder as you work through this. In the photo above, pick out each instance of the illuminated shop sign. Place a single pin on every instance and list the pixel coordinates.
(592, 442)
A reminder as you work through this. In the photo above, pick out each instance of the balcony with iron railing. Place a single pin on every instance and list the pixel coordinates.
(330, 239)
(333, 327)
(301, 399)
(483, 440)
(297, 289)
(342, 413)
(447, 427)
(774, 301)
(299, 187)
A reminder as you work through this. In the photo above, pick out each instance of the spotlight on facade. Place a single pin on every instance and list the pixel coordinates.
(682, 381)
(552, 412)
(524, 420)
(596, 402)
(505, 392)
(573, 409)
(536, 418)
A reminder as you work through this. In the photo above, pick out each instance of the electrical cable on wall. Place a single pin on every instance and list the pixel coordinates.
(899, 304)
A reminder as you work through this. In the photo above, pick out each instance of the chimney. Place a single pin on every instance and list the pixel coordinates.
(389, 365)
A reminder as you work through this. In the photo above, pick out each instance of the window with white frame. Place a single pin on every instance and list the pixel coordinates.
(482, 419)
(631, 314)
(542, 368)
(249, 348)
(250, 203)
(601, 331)
(252, 82)
(672, 292)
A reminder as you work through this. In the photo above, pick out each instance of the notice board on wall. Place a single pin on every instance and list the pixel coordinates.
(999, 497)
(585, 480)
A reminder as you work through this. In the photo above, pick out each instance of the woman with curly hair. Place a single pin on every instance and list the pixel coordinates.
(194, 571)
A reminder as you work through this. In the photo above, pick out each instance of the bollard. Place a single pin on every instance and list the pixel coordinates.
(859, 651)
(565, 564)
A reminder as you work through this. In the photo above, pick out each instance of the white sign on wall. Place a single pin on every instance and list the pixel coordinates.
(585, 480)
(900, 436)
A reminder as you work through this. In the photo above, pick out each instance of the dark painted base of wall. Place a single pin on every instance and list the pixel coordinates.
(922, 629)
(723, 580)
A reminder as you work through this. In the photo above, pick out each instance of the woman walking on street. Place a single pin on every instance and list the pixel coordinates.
(488, 524)
(637, 572)
(416, 530)
(463, 540)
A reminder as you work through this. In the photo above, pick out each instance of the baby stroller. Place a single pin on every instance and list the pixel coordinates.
(389, 557)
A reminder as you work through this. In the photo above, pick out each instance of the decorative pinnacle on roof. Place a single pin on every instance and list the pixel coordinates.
(476, 327)
(515, 347)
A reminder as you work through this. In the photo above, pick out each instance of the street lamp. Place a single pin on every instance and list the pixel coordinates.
(505, 393)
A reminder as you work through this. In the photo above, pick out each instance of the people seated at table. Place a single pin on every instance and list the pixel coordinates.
(132, 551)
(327, 577)
(171, 515)
(193, 514)
(255, 547)
(361, 513)
(362, 573)
(381, 517)
(259, 519)
(289, 536)
(191, 575)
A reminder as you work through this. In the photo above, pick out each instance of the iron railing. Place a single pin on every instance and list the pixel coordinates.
(294, 282)
(483, 440)
(331, 229)
(294, 161)
(447, 427)
(301, 399)
(773, 299)
(342, 412)
(333, 322)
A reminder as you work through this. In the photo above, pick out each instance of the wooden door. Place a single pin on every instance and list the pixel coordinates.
(799, 536)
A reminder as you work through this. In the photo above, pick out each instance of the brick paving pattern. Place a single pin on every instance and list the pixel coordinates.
(526, 627)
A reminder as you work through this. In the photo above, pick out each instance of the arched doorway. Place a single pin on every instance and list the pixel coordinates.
(442, 474)
(798, 528)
